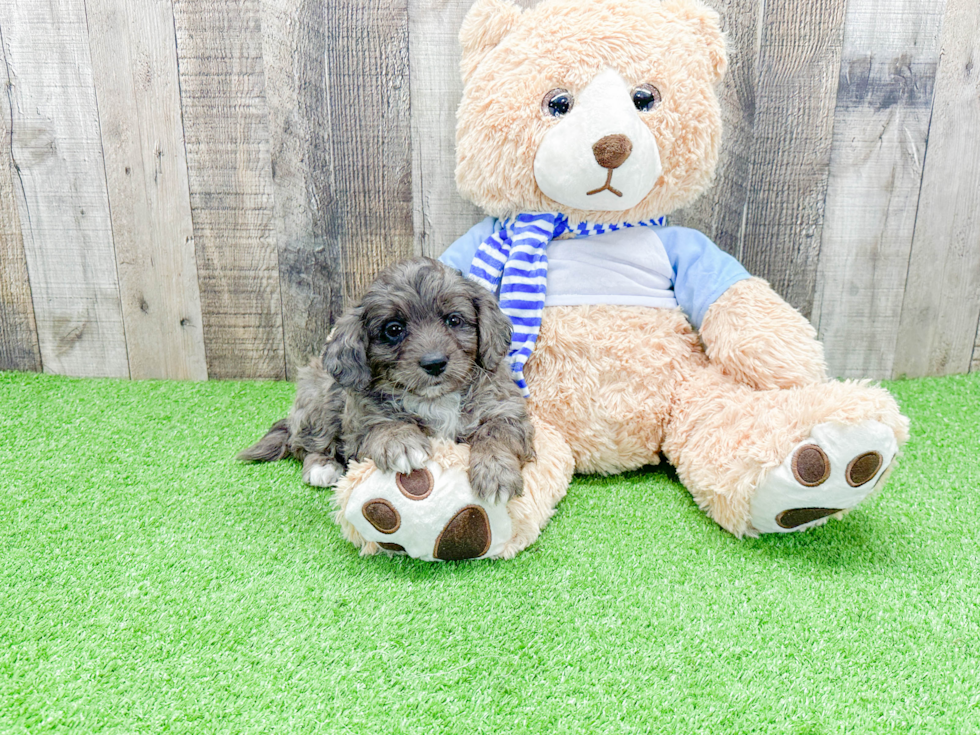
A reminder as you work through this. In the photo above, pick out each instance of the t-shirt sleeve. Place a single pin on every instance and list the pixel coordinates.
(702, 270)
(460, 254)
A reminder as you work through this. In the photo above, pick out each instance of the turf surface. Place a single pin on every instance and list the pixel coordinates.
(152, 584)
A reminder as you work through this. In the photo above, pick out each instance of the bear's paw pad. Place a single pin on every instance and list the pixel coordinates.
(466, 536)
(825, 475)
(429, 513)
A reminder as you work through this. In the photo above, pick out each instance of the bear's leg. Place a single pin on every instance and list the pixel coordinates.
(432, 513)
(780, 460)
(546, 481)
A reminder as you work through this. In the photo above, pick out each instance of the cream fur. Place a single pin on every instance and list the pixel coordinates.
(529, 513)
(627, 383)
(755, 337)
(615, 387)
(566, 43)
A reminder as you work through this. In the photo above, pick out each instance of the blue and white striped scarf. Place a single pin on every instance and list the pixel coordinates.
(516, 259)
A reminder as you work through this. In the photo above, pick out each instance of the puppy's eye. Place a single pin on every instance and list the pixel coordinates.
(393, 331)
(557, 102)
(453, 320)
(646, 97)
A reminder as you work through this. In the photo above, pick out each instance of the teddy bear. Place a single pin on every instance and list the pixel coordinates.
(582, 124)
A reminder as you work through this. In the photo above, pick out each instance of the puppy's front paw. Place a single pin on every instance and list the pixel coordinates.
(403, 452)
(320, 471)
(495, 478)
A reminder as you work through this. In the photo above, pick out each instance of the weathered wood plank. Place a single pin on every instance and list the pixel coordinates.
(369, 104)
(310, 263)
(222, 83)
(798, 67)
(720, 212)
(134, 59)
(440, 213)
(975, 363)
(938, 327)
(18, 333)
(884, 101)
(60, 187)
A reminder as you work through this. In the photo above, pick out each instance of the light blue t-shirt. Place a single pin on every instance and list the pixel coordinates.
(641, 266)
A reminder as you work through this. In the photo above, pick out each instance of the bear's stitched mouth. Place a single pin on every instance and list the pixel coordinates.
(606, 187)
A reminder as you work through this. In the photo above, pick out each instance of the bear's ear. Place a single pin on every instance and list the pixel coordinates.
(485, 25)
(707, 26)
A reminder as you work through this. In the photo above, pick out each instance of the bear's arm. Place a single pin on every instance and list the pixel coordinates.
(460, 254)
(747, 329)
(760, 340)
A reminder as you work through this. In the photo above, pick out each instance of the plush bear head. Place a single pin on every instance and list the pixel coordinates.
(603, 110)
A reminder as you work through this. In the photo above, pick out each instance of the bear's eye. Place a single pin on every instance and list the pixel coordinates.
(557, 102)
(646, 97)
(393, 331)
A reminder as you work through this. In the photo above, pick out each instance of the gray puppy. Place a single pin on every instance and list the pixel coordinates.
(421, 356)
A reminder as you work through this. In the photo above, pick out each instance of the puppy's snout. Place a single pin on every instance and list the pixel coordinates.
(434, 363)
(612, 151)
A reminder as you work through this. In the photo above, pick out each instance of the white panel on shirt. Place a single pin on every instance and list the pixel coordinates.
(627, 267)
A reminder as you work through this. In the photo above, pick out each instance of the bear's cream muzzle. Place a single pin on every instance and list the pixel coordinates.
(600, 156)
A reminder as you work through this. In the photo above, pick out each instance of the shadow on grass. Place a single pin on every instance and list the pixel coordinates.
(864, 539)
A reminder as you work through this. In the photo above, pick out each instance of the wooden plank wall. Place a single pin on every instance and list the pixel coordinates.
(884, 103)
(196, 188)
(55, 144)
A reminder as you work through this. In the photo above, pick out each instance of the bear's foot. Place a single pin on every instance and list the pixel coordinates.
(825, 475)
(429, 513)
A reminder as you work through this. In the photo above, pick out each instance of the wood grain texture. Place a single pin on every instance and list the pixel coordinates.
(720, 212)
(134, 60)
(941, 307)
(247, 166)
(798, 66)
(18, 332)
(369, 108)
(440, 214)
(222, 83)
(884, 102)
(60, 188)
(975, 363)
(310, 262)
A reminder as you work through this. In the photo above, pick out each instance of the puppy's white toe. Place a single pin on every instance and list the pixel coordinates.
(417, 458)
(410, 459)
(401, 464)
(324, 475)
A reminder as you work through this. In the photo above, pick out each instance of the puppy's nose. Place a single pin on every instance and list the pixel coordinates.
(612, 150)
(433, 363)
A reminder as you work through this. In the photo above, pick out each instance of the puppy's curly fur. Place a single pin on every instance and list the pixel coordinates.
(421, 356)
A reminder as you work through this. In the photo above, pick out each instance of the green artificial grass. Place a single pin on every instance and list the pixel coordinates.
(152, 584)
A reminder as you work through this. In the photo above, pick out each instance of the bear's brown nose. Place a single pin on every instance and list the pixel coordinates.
(612, 150)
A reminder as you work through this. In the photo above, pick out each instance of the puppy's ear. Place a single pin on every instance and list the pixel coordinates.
(345, 356)
(493, 329)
